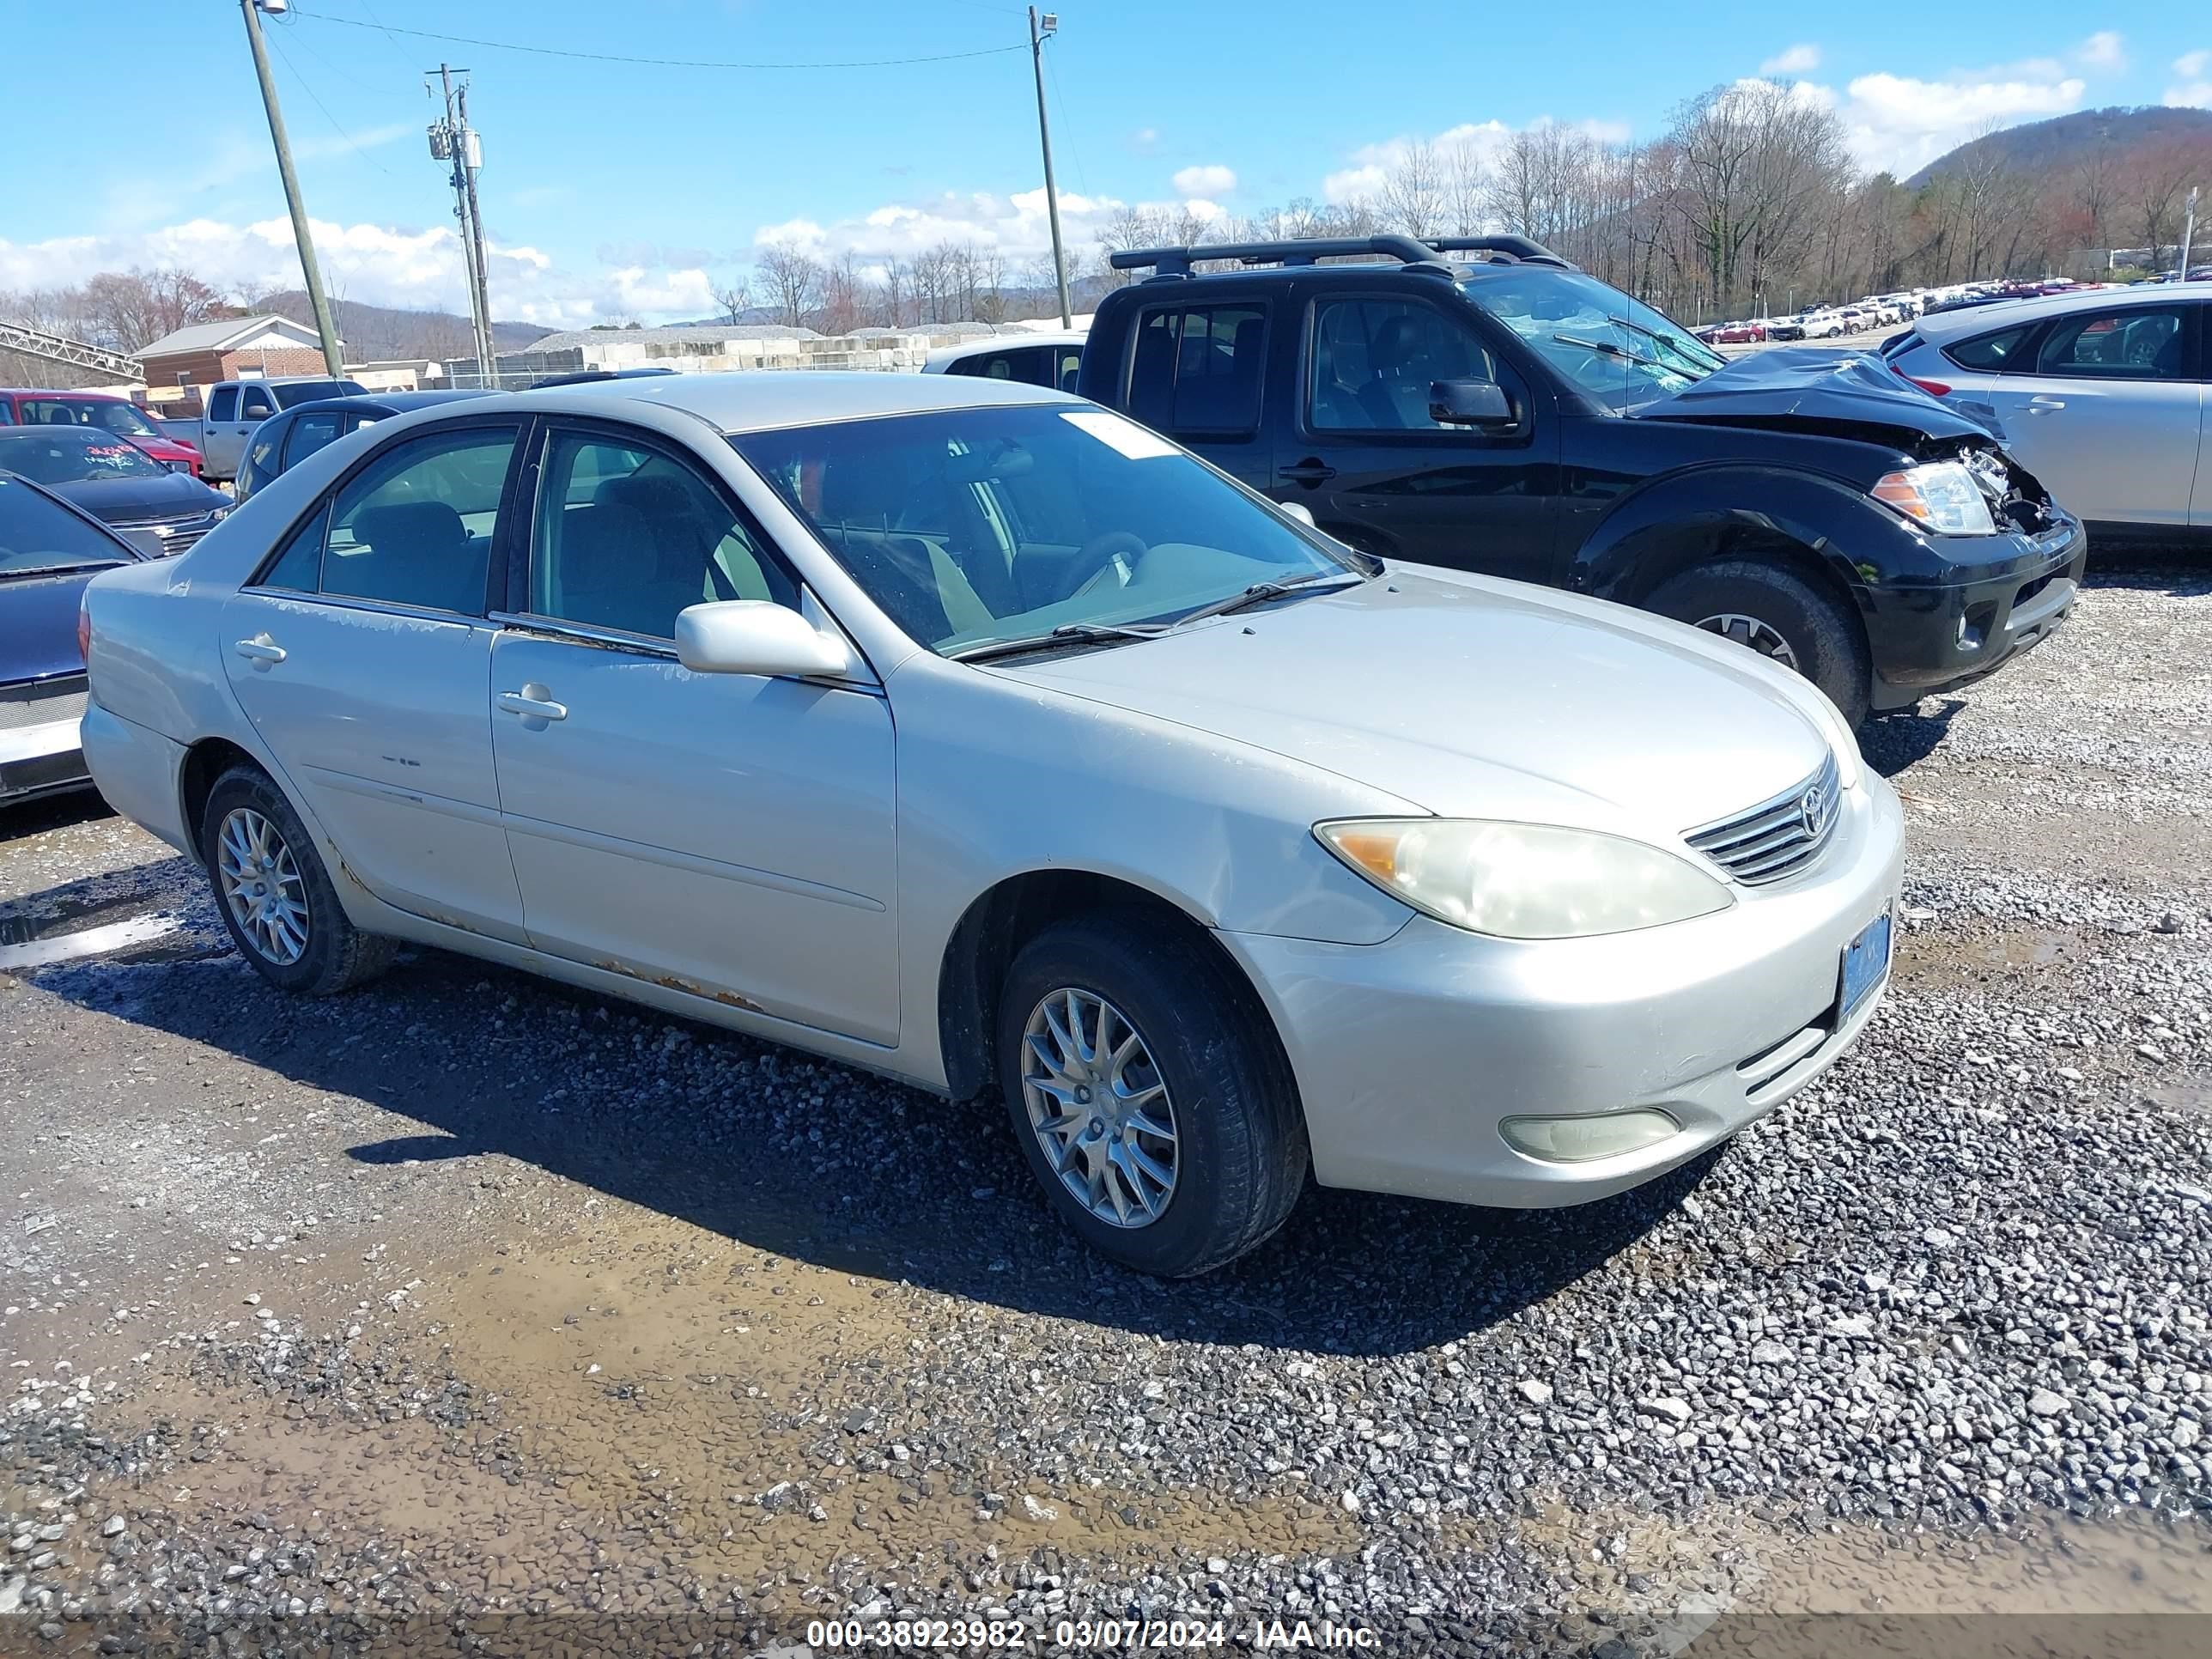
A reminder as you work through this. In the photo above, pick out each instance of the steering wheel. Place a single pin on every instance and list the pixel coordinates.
(1092, 559)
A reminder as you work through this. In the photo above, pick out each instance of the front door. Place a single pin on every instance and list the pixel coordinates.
(2110, 414)
(363, 658)
(1375, 471)
(727, 836)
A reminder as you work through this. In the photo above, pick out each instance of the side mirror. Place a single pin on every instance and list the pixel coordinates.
(1480, 403)
(753, 636)
(1299, 511)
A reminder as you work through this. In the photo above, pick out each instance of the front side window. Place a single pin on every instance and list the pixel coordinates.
(1618, 349)
(1374, 359)
(976, 526)
(416, 525)
(1197, 371)
(74, 454)
(310, 432)
(627, 536)
(2144, 343)
(255, 404)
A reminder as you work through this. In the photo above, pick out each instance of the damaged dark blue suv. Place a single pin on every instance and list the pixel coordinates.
(1479, 403)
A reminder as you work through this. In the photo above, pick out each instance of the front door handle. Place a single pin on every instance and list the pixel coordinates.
(1312, 471)
(261, 651)
(532, 702)
(2045, 405)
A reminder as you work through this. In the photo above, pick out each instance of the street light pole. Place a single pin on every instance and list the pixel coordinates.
(333, 359)
(2188, 233)
(1039, 28)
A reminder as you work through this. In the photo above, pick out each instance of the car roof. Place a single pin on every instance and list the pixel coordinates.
(759, 400)
(74, 394)
(1012, 340)
(1947, 325)
(388, 403)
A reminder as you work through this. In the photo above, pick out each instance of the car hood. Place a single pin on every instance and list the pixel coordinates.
(1478, 698)
(1851, 395)
(140, 500)
(38, 625)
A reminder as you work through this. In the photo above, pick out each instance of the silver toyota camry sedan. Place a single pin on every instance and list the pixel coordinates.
(967, 733)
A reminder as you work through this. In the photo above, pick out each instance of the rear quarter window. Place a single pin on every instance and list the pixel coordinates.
(1994, 353)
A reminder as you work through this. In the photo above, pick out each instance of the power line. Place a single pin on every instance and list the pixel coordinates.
(659, 62)
(314, 97)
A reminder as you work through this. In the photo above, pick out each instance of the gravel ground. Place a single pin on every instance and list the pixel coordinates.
(466, 1308)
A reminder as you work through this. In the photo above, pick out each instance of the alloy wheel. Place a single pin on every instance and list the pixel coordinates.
(1099, 1107)
(1761, 636)
(261, 883)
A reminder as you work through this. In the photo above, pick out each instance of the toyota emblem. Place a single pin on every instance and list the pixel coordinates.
(1809, 810)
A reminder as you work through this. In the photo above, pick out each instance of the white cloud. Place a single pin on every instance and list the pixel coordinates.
(1211, 179)
(2105, 50)
(1370, 164)
(1799, 59)
(2194, 89)
(1016, 224)
(1900, 124)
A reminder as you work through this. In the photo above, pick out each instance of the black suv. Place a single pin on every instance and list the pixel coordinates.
(1509, 414)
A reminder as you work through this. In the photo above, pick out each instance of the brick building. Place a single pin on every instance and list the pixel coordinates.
(179, 365)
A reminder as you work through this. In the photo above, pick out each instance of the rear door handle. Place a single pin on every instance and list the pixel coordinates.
(1312, 471)
(532, 702)
(261, 651)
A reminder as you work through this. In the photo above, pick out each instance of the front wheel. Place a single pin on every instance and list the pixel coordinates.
(1775, 612)
(1158, 1115)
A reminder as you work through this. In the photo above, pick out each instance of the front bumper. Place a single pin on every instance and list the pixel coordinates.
(1410, 1053)
(41, 751)
(2005, 595)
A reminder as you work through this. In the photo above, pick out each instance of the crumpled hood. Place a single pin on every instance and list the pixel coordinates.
(1478, 698)
(1805, 388)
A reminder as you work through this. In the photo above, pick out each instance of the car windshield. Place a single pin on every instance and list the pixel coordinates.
(73, 454)
(977, 527)
(1618, 349)
(109, 414)
(290, 393)
(38, 535)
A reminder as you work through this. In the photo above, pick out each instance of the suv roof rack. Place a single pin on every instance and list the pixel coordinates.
(1412, 251)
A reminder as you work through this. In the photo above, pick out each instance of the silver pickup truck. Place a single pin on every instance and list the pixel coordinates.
(234, 408)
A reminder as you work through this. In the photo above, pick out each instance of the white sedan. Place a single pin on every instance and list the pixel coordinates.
(970, 733)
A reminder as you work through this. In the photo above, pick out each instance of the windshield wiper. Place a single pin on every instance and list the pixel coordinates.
(1065, 634)
(1607, 348)
(1667, 345)
(1260, 591)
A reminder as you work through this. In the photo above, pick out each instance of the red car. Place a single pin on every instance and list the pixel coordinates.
(1739, 334)
(24, 407)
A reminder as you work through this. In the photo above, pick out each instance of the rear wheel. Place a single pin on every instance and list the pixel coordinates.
(1773, 610)
(1157, 1116)
(274, 894)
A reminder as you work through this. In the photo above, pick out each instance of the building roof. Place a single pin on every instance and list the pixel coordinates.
(761, 401)
(217, 336)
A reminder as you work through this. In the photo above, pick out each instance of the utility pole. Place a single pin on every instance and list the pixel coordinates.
(454, 140)
(333, 359)
(2188, 233)
(1040, 28)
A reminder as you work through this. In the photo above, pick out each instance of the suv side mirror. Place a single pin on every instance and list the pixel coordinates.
(1480, 403)
(755, 636)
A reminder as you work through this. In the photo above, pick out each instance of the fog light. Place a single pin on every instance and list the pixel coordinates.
(1580, 1139)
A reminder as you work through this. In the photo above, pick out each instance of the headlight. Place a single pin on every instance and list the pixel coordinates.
(1524, 880)
(1941, 496)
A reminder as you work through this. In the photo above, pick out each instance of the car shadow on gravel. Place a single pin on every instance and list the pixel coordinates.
(809, 1160)
(1894, 743)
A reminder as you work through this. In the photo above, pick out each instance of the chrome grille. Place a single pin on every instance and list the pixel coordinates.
(1776, 838)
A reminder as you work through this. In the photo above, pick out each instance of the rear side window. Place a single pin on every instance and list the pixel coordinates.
(1197, 372)
(2144, 343)
(224, 404)
(1026, 364)
(1993, 354)
(416, 526)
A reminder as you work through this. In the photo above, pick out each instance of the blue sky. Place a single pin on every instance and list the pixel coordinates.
(620, 190)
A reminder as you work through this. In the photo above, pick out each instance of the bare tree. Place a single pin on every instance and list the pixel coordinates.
(792, 278)
(735, 297)
(1413, 198)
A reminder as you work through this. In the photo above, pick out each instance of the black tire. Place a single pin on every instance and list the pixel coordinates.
(1240, 1142)
(336, 955)
(1825, 638)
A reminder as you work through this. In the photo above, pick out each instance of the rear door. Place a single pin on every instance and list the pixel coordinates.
(1197, 372)
(363, 655)
(2109, 414)
(1375, 470)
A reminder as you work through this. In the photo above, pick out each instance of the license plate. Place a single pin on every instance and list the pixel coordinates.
(1866, 963)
